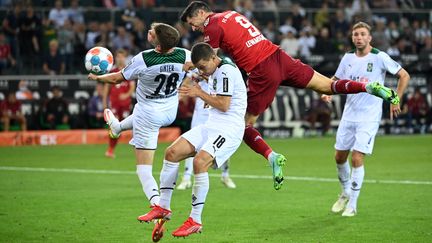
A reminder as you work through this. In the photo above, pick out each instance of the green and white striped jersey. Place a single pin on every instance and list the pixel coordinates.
(159, 75)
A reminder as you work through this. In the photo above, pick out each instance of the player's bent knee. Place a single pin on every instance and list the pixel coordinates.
(201, 165)
(341, 158)
(357, 159)
(250, 119)
(172, 153)
(320, 83)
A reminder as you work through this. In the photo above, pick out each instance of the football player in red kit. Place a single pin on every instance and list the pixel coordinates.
(268, 67)
(120, 97)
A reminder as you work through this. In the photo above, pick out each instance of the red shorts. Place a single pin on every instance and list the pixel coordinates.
(120, 111)
(266, 77)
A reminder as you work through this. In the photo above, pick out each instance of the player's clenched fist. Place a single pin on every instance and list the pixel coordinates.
(191, 91)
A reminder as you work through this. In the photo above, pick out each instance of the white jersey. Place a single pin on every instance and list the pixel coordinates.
(201, 110)
(228, 81)
(364, 107)
(159, 75)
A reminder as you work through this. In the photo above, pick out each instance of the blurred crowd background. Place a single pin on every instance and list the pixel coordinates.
(33, 29)
(51, 37)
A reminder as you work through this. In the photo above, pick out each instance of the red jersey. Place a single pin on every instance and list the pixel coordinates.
(10, 108)
(117, 89)
(417, 105)
(235, 35)
(4, 51)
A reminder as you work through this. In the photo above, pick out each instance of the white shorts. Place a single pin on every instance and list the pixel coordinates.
(148, 119)
(359, 136)
(199, 118)
(220, 144)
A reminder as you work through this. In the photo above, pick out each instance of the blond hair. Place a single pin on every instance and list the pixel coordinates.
(361, 25)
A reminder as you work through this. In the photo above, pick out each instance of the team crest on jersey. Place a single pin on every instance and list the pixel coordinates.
(214, 83)
(369, 67)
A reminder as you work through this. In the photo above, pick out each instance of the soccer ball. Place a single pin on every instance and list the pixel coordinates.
(99, 60)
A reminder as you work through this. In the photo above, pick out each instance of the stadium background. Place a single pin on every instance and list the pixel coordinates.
(321, 29)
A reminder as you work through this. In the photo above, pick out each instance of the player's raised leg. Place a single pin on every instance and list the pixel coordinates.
(116, 126)
(113, 123)
(383, 92)
(113, 131)
(325, 85)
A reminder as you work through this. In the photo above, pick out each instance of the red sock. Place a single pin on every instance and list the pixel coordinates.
(112, 144)
(254, 140)
(345, 86)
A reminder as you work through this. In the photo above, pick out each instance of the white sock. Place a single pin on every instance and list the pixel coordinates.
(188, 170)
(357, 177)
(269, 156)
(126, 124)
(225, 169)
(344, 177)
(199, 194)
(148, 183)
(168, 178)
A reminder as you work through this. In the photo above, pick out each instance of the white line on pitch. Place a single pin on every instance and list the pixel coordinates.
(124, 172)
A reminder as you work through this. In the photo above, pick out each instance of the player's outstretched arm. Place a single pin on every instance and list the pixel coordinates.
(112, 78)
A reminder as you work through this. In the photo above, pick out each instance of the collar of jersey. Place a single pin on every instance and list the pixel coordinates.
(206, 22)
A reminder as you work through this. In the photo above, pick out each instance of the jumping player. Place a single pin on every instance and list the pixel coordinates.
(268, 67)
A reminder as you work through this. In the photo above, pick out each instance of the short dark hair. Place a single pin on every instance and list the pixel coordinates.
(201, 51)
(192, 9)
(167, 36)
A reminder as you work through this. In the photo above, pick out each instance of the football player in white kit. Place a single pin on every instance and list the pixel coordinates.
(159, 72)
(200, 115)
(362, 113)
(210, 143)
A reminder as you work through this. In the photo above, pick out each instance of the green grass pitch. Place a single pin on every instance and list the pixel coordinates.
(90, 204)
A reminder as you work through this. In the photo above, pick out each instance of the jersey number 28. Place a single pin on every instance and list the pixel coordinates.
(171, 83)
